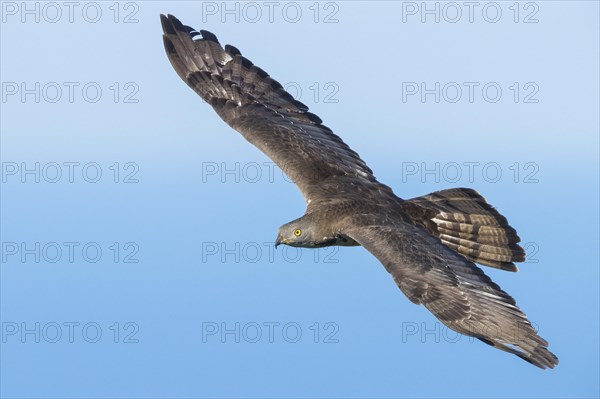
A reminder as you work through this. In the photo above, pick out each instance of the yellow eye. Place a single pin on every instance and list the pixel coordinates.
(298, 232)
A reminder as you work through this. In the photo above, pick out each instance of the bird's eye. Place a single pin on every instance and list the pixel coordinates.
(297, 232)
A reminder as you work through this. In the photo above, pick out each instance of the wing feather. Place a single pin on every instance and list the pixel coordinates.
(456, 291)
(257, 106)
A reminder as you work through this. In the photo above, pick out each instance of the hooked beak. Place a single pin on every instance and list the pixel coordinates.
(280, 240)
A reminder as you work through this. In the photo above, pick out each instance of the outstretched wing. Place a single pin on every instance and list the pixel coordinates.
(259, 108)
(456, 291)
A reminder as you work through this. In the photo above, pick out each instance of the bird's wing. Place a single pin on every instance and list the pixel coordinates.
(259, 108)
(456, 291)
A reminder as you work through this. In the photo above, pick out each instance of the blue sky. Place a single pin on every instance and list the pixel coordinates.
(137, 228)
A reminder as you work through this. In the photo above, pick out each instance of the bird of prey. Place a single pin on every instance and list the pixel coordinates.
(429, 244)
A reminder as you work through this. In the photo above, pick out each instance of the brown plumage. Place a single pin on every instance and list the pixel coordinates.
(428, 244)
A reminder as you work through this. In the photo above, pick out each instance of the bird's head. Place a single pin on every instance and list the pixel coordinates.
(303, 232)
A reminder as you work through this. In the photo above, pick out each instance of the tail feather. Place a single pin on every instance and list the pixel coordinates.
(480, 236)
(465, 222)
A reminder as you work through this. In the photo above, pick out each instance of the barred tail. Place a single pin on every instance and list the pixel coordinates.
(465, 222)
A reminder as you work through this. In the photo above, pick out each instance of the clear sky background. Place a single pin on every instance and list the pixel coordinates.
(137, 228)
